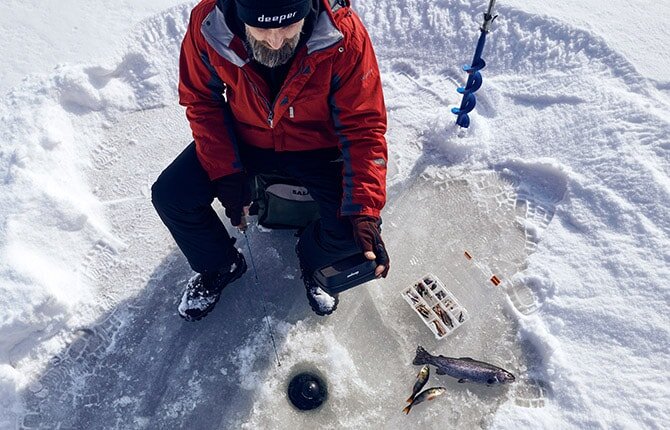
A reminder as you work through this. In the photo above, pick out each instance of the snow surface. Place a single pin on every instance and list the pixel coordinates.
(37, 35)
(561, 186)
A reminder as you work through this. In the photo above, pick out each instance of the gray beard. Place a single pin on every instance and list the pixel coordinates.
(272, 57)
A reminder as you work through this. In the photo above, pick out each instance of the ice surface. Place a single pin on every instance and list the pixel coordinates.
(222, 371)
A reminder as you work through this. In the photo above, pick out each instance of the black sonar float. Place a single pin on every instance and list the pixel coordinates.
(307, 391)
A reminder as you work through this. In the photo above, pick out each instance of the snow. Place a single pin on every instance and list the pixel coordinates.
(323, 300)
(560, 187)
(38, 35)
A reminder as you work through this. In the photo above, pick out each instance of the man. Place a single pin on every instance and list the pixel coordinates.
(288, 86)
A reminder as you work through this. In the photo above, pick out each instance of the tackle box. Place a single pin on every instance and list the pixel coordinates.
(436, 306)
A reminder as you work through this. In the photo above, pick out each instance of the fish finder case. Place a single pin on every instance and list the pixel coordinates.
(346, 273)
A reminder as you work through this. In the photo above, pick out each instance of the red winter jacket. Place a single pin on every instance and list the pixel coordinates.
(332, 96)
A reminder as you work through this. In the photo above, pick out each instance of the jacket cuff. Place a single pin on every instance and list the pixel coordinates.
(375, 213)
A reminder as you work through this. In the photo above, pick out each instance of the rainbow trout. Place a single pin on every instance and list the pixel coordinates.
(465, 369)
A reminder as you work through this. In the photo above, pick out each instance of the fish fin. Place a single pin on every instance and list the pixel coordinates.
(467, 358)
(462, 380)
(406, 409)
(440, 371)
(422, 356)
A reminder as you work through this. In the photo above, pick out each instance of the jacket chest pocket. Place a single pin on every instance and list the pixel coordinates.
(312, 105)
(314, 109)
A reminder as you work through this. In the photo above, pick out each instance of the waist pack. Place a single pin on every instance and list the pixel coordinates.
(282, 203)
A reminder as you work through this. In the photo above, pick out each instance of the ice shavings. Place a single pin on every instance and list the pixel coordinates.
(302, 348)
(188, 403)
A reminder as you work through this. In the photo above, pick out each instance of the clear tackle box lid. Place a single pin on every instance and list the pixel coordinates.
(436, 306)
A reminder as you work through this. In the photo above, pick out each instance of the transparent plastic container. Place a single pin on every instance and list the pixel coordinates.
(436, 306)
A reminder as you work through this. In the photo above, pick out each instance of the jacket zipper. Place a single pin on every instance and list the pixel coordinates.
(286, 81)
(271, 114)
(268, 105)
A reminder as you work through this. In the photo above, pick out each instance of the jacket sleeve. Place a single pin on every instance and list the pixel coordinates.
(201, 91)
(359, 115)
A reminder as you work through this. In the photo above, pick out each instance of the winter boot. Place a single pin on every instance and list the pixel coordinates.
(320, 301)
(317, 248)
(204, 289)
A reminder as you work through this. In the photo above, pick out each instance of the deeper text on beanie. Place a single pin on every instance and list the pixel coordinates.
(272, 13)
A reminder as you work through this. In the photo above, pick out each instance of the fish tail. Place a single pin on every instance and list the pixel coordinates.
(410, 399)
(422, 356)
(407, 409)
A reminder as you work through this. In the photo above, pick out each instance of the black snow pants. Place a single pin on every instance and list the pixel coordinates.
(183, 195)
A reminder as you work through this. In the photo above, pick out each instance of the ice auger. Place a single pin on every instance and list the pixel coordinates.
(475, 77)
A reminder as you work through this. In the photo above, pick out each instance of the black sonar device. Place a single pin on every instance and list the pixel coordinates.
(346, 273)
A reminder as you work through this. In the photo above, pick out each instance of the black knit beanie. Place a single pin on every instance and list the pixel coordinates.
(272, 13)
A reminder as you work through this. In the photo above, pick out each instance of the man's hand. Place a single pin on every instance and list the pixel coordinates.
(367, 234)
(234, 193)
(244, 223)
